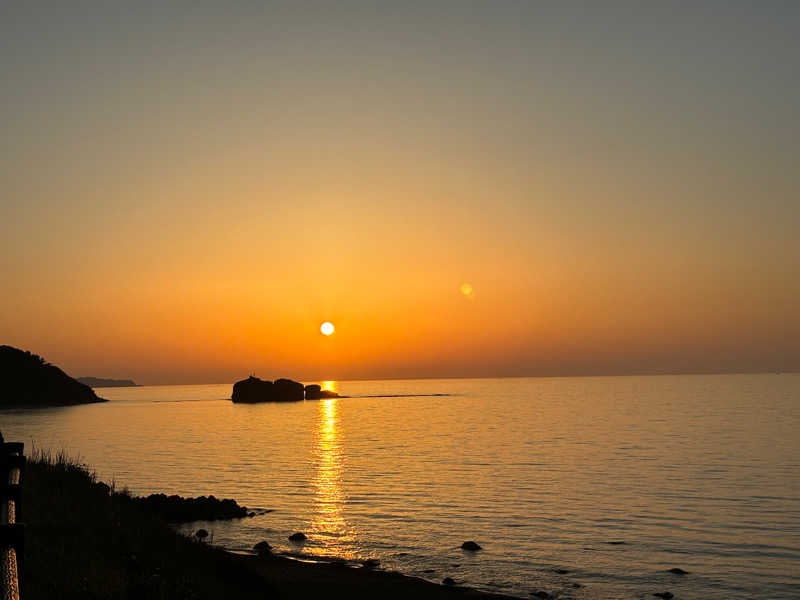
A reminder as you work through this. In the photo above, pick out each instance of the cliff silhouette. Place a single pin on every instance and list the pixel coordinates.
(29, 380)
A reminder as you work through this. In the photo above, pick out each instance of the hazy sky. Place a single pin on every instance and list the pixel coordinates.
(188, 191)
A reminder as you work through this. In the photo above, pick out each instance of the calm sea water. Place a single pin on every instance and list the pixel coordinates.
(696, 472)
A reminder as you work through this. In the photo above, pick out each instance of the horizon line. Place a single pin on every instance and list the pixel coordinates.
(571, 376)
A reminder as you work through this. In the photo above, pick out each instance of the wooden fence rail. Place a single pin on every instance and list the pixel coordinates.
(12, 468)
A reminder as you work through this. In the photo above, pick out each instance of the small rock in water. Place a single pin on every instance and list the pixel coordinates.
(678, 571)
(297, 537)
(576, 585)
(664, 595)
(201, 534)
(616, 543)
(262, 547)
(429, 571)
(562, 571)
(471, 546)
(541, 594)
(370, 563)
(251, 514)
(448, 581)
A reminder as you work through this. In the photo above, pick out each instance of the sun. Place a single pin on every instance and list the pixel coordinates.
(327, 328)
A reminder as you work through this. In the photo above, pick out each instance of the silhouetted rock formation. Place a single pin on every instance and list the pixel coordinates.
(315, 392)
(287, 390)
(298, 537)
(100, 382)
(28, 380)
(176, 509)
(253, 390)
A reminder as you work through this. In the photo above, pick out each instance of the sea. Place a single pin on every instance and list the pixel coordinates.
(584, 488)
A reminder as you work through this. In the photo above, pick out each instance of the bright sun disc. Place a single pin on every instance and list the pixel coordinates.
(327, 328)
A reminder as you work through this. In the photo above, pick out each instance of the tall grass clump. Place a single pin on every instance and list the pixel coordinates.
(86, 540)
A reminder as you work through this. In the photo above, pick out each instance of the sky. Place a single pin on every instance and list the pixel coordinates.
(188, 190)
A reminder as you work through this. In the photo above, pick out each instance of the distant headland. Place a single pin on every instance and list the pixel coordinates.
(29, 380)
(253, 390)
(100, 382)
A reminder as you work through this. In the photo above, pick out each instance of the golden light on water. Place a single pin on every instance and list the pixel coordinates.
(329, 500)
(327, 328)
(328, 386)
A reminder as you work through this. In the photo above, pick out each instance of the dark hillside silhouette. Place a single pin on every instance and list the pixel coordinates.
(29, 380)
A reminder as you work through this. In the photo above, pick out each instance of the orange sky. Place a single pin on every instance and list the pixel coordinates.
(186, 198)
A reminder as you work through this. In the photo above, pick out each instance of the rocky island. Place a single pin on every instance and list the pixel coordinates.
(30, 381)
(253, 390)
(102, 382)
(315, 392)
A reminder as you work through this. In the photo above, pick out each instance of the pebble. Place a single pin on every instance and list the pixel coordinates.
(471, 546)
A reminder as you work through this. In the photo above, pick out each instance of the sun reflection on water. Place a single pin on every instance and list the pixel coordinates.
(328, 521)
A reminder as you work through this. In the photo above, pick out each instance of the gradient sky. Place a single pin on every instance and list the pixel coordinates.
(189, 190)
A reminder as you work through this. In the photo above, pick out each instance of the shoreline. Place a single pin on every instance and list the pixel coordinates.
(342, 579)
(86, 539)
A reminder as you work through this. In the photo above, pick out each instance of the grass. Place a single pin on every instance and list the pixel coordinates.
(86, 540)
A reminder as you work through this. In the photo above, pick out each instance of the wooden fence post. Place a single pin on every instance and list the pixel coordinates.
(12, 467)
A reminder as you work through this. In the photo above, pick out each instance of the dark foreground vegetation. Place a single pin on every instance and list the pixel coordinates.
(86, 540)
(30, 381)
